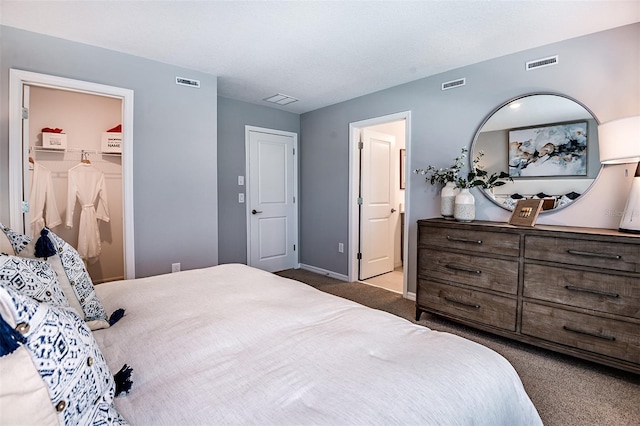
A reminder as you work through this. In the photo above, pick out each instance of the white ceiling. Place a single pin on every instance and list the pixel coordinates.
(321, 52)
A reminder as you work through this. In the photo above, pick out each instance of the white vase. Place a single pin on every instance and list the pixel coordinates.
(447, 200)
(465, 206)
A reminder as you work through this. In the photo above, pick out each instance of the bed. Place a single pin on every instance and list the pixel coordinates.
(229, 344)
(232, 344)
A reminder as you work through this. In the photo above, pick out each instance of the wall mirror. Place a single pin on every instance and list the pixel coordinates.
(549, 145)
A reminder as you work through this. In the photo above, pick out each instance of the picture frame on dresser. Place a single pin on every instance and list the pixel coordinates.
(526, 212)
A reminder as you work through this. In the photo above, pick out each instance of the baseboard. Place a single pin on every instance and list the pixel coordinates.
(324, 272)
(411, 296)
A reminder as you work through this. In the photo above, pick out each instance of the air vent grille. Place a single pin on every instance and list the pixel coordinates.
(541, 63)
(281, 99)
(188, 82)
(454, 83)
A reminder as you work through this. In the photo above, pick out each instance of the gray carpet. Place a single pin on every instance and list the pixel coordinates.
(566, 390)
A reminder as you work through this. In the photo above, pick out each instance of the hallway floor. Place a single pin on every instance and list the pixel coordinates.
(391, 281)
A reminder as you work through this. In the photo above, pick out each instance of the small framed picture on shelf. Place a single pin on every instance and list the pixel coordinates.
(526, 212)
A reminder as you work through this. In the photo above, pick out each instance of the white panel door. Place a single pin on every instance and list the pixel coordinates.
(376, 226)
(271, 200)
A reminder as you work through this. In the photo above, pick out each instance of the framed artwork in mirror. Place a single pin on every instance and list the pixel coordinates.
(558, 149)
(403, 157)
(526, 212)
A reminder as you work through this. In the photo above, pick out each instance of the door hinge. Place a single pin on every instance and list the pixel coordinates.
(25, 113)
(359, 256)
(294, 199)
(359, 201)
(294, 151)
(294, 247)
(360, 145)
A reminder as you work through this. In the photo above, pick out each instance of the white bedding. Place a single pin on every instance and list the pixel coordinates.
(235, 345)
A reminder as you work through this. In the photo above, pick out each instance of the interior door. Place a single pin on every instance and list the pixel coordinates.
(271, 190)
(376, 224)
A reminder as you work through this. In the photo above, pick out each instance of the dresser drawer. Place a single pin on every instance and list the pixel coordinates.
(473, 305)
(464, 239)
(614, 294)
(599, 254)
(604, 336)
(477, 271)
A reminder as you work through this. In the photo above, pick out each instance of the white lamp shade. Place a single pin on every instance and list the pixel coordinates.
(631, 216)
(619, 141)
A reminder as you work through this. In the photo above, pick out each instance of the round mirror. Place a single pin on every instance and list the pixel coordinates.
(548, 143)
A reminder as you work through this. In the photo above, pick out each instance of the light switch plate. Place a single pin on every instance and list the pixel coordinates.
(241, 197)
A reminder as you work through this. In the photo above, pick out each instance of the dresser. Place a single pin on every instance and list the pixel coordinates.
(568, 289)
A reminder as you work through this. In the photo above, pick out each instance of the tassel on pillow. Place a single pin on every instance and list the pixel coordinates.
(123, 380)
(44, 247)
(116, 316)
(10, 338)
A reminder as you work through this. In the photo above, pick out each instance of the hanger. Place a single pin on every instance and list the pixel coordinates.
(85, 158)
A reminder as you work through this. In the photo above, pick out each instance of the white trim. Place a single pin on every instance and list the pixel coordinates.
(354, 132)
(324, 272)
(247, 196)
(17, 79)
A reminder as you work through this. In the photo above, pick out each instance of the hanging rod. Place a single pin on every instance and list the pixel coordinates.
(71, 150)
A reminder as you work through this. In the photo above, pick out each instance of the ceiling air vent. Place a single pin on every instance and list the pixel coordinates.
(281, 99)
(188, 82)
(454, 83)
(541, 63)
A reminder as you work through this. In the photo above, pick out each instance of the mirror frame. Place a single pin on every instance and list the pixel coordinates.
(502, 105)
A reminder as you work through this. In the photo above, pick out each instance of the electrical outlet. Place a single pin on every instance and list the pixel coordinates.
(240, 180)
(175, 267)
(340, 248)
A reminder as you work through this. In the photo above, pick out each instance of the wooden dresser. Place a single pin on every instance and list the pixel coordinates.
(572, 290)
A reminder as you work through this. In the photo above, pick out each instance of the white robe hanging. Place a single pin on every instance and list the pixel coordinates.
(87, 184)
(43, 210)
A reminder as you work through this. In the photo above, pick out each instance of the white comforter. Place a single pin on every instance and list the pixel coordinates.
(235, 345)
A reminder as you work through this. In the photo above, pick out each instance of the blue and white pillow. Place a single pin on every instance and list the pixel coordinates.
(32, 277)
(66, 357)
(17, 240)
(72, 275)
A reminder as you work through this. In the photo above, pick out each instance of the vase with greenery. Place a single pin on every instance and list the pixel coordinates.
(464, 209)
(454, 179)
(447, 177)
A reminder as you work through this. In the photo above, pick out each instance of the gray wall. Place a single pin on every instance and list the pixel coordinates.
(175, 143)
(600, 70)
(233, 116)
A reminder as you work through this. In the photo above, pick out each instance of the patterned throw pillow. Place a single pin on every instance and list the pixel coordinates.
(74, 279)
(33, 278)
(17, 241)
(67, 358)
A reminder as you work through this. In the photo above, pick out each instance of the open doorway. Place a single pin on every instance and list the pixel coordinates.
(25, 144)
(378, 151)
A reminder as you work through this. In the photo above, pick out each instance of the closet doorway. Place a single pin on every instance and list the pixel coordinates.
(378, 150)
(83, 111)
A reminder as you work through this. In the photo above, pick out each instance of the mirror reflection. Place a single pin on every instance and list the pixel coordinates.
(549, 145)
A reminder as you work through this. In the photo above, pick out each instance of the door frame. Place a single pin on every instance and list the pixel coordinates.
(18, 152)
(296, 211)
(354, 168)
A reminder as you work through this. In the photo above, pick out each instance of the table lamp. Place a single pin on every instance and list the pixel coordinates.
(619, 142)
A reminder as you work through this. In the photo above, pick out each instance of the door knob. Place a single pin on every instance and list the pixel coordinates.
(393, 210)
(254, 211)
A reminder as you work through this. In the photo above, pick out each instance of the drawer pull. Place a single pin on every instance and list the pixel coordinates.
(463, 269)
(588, 290)
(469, 305)
(588, 333)
(590, 254)
(463, 240)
